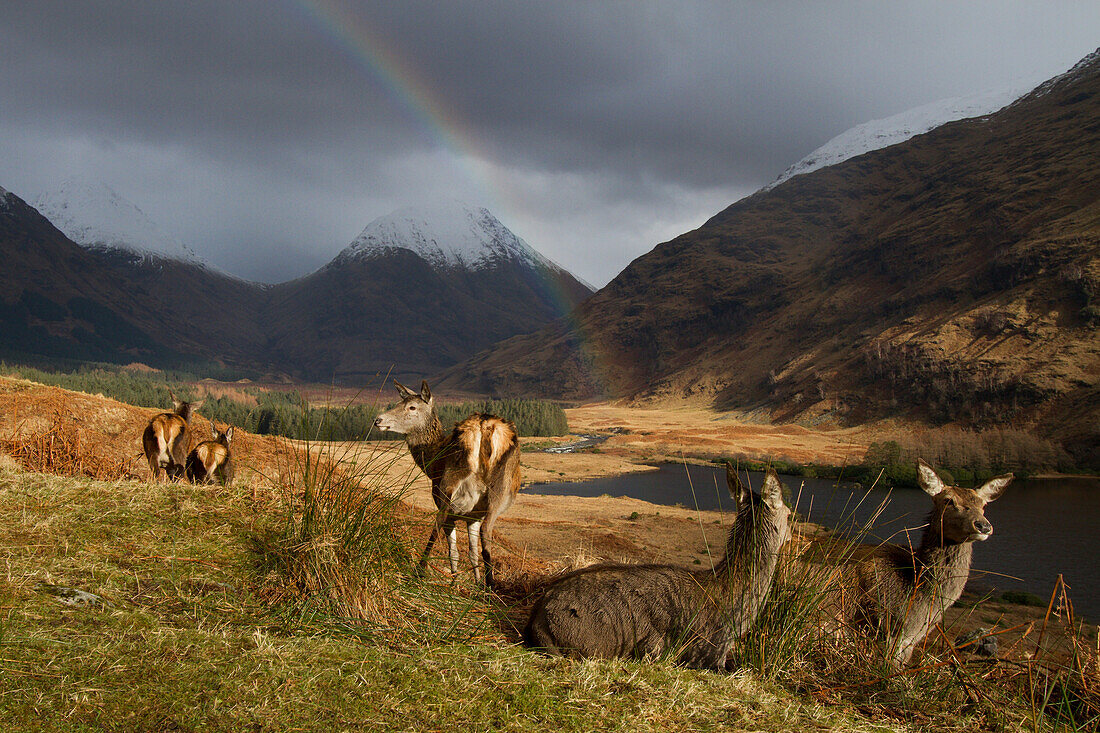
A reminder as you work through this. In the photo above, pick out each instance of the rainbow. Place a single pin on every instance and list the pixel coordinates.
(378, 59)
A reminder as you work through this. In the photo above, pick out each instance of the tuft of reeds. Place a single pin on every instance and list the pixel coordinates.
(341, 556)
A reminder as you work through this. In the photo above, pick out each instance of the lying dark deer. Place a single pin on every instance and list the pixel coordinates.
(644, 611)
(166, 440)
(211, 460)
(905, 593)
(474, 471)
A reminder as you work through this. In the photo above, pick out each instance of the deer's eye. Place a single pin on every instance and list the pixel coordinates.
(412, 408)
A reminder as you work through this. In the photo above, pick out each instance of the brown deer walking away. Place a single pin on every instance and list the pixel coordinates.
(211, 460)
(166, 440)
(903, 592)
(645, 611)
(474, 471)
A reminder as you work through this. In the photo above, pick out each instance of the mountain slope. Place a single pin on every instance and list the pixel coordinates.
(950, 277)
(416, 292)
(58, 301)
(877, 134)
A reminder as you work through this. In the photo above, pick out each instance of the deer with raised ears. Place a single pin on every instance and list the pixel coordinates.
(905, 592)
(645, 611)
(166, 440)
(211, 460)
(474, 471)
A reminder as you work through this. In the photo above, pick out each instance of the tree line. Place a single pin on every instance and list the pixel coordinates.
(287, 414)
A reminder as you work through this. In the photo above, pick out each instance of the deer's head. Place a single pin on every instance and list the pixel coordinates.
(958, 514)
(766, 509)
(182, 408)
(414, 413)
(223, 438)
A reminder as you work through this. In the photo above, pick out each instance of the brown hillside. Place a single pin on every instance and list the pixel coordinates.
(54, 429)
(953, 277)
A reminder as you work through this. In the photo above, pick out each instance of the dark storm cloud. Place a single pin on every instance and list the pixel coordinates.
(266, 134)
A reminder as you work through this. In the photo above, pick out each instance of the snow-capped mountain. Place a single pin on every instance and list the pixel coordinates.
(898, 128)
(94, 216)
(415, 292)
(446, 234)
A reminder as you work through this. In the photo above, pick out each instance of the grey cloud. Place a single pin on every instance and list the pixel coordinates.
(268, 129)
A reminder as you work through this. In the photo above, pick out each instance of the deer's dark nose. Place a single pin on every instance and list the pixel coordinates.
(377, 422)
(981, 526)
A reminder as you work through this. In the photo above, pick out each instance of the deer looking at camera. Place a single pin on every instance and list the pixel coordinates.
(474, 471)
(166, 440)
(644, 611)
(905, 592)
(210, 461)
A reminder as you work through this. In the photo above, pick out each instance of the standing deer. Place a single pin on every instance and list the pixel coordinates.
(210, 461)
(905, 593)
(166, 440)
(474, 471)
(645, 611)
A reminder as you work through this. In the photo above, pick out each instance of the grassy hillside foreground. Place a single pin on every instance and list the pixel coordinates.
(285, 602)
(183, 640)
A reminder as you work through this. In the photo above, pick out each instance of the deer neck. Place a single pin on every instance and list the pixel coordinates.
(945, 564)
(744, 575)
(427, 444)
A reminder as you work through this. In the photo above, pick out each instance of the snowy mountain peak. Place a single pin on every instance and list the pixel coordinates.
(91, 214)
(898, 128)
(447, 234)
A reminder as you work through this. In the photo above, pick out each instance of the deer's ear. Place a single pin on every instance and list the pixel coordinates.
(229, 434)
(425, 393)
(214, 430)
(994, 487)
(772, 492)
(196, 405)
(736, 488)
(403, 390)
(927, 478)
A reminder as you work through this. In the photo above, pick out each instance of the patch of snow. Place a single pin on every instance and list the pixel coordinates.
(447, 234)
(91, 214)
(883, 133)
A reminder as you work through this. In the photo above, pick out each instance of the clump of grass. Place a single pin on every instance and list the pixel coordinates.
(338, 545)
(340, 557)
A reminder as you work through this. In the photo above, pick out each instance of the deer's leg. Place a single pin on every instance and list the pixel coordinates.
(473, 529)
(451, 531)
(486, 547)
(440, 521)
(154, 467)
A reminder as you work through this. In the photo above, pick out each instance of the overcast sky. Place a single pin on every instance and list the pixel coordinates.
(267, 134)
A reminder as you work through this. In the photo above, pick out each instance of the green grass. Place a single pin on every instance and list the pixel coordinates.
(189, 641)
(209, 625)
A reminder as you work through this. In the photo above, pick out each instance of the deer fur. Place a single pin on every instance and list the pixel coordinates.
(645, 611)
(474, 471)
(211, 460)
(166, 440)
(903, 592)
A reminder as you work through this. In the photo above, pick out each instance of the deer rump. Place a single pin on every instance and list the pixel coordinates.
(165, 442)
(633, 611)
(478, 479)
